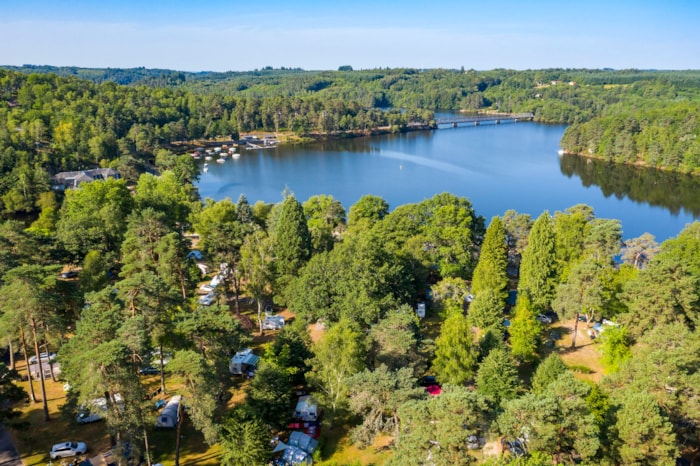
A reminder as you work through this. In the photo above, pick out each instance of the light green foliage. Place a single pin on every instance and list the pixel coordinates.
(359, 279)
(486, 310)
(570, 229)
(45, 225)
(490, 272)
(615, 348)
(436, 429)
(244, 439)
(166, 194)
(376, 396)
(449, 295)
(646, 436)
(557, 422)
(524, 331)
(538, 271)
(338, 355)
(456, 352)
(497, 377)
(367, 211)
(325, 217)
(93, 217)
(547, 372)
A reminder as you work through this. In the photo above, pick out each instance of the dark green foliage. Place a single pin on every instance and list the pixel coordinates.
(439, 427)
(547, 372)
(377, 397)
(369, 209)
(290, 351)
(270, 396)
(244, 439)
(395, 341)
(538, 271)
(490, 272)
(645, 435)
(558, 422)
(11, 394)
(497, 377)
(291, 240)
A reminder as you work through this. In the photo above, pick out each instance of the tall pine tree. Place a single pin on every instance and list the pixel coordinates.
(538, 271)
(490, 273)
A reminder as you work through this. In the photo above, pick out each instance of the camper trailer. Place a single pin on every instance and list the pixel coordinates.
(306, 409)
(169, 416)
(243, 362)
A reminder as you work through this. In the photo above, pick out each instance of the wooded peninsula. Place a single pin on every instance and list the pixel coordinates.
(423, 334)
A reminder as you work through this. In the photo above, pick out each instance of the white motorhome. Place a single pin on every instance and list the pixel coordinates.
(243, 362)
(169, 416)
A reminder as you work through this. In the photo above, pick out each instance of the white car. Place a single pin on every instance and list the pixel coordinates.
(543, 318)
(66, 449)
(208, 299)
(45, 357)
(86, 417)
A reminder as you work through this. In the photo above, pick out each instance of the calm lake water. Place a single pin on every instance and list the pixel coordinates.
(497, 167)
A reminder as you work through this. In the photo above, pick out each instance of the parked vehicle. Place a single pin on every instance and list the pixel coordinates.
(45, 357)
(207, 287)
(149, 370)
(85, 416)
(67, 449)
(69, 274)
(543, 318)
(208, 299)
(273, 323)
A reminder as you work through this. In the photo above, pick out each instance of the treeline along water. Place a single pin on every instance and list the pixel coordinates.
(497, 167)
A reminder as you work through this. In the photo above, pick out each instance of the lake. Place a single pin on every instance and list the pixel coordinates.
(497, 167)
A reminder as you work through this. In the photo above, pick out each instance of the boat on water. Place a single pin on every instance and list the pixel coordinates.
(235, 155)
(205, 169)
(208, 157)
(220, 160)
(561, 152)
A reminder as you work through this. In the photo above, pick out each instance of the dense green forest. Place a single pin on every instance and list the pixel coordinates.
(60, 119)
(361, 272)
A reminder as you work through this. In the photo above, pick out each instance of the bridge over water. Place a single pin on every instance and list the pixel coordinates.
(475, 120)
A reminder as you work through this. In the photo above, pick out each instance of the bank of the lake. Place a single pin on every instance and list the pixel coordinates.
(497, 167)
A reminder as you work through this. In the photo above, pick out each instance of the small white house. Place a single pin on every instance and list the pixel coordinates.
(243, 362)
(168, 417)
(306, 409)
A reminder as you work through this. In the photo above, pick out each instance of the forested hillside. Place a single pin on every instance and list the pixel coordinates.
(74, 118)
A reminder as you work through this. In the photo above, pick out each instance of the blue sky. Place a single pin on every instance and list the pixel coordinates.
(219, 35)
